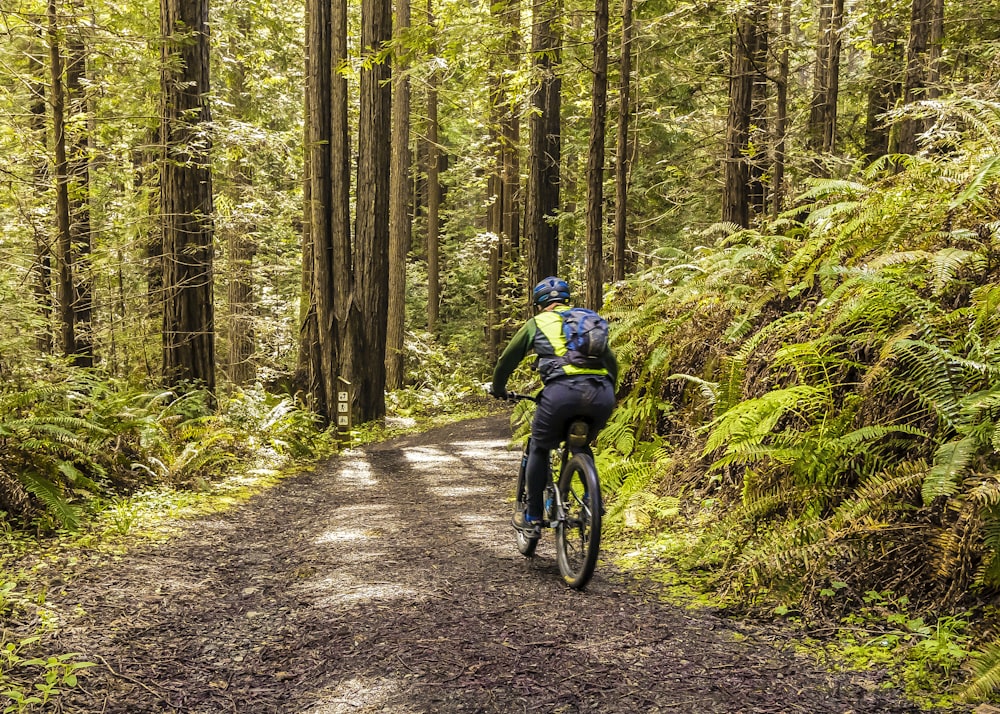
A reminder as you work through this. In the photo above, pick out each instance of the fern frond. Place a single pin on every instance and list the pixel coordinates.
(985, 678)
(987, 176)
(67, 515)
(951, 461)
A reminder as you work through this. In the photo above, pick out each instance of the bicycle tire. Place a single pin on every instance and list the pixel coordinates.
(525, 545)
(578, 533)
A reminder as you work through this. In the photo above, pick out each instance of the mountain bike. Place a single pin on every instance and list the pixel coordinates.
(572, 504)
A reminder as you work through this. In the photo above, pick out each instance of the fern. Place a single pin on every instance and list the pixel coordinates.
(950, 463)
(985, 678)
(67, 515)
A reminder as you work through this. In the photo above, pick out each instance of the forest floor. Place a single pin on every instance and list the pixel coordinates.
(386, 580)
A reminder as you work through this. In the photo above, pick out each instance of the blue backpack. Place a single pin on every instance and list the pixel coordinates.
(586, 335)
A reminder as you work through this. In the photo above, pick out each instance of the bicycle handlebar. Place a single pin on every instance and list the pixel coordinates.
(517, 397)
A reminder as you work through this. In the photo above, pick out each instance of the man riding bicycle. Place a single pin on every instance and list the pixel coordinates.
(569, 390)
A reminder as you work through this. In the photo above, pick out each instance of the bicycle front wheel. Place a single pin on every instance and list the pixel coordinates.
(578, 534)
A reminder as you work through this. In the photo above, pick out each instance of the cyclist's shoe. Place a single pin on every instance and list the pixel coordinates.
(529, 526)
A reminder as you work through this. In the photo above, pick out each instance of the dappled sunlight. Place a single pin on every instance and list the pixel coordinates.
(455, 491)
(482, 449)
(341, 588)
(482, 530)
(359, 695)
(343, 535)
(358, 524)
(423, 455)
(356, 472)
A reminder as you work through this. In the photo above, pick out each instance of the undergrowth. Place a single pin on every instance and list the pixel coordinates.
(815, 401)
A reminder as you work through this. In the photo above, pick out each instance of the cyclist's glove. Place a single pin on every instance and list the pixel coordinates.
(498, 393)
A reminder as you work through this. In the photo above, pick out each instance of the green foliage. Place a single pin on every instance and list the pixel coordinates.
(29, 682)
(837, 377)
(87, 437)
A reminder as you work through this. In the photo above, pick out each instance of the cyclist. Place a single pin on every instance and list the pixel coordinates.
(568, 391)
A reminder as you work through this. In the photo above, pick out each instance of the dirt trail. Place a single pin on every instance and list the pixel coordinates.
(387, 581)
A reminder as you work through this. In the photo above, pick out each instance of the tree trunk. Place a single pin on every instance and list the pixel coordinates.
(781, 111)
(595, 160)
(400, 223)
(826, 83)
(308, 337)
(545, 148)
(186, 195)
(64, 239)
(348, 325)
(885, 66)
(78, 166)
(735, 201)
(510, 139)
(915, 80)
(42, 266)
(758, 157)
(935, 50)
(623, 153)
(372, 233)
(433, 191)
(241, 244)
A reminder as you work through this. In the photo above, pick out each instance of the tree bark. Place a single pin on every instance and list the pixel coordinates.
(186, 195)
(735, 201)
(826, 83)
(781, 110)
(78, 166)
(372, 232)
(915, 80)
(595, 160)
(433, 191)
(623, 153)
(64, 237)
(400, 223)
(885, 67)
(545, 149)
(241, 244)
(42, 266)
(758, 156)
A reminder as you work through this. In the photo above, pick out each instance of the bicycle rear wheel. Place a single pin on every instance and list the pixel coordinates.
(578, 534)
(525, 545)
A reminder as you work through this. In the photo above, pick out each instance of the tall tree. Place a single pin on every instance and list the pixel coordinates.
(78, 166)
(64, 237)
(595, 160)
(758, 157)
(372, 232)
(884, 70)
(623, 152)
(736, 190)
(331, 302)
(916, 78)
(433, 190)
(781, 109)
(186, 195)
(42, 266)
(504, 215)
(240, 240)
(545, 143)
(826, 82)
(400, 223)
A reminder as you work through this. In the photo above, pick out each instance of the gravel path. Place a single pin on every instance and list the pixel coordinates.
(387, 581)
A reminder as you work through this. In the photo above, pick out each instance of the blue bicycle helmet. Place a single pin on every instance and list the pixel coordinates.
(550, 290)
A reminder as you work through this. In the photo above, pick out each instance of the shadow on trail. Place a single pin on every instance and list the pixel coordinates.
(388, 581)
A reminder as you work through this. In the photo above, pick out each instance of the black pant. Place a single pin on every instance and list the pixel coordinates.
(563, 399)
